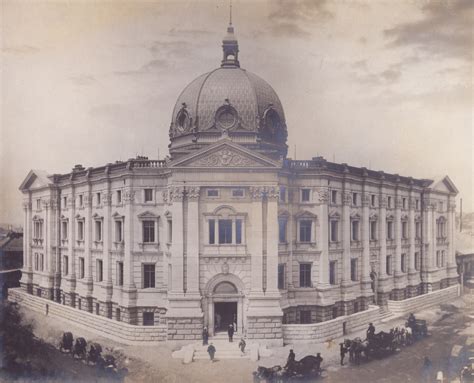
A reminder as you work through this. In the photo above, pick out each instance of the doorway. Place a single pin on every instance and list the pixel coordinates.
(225, 313)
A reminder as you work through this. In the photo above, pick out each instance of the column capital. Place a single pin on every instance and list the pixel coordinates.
(323, 194)
(257, 192)
(272, 192)
(365, 199)
(176, 193)
(346, 198)
(128, 196)
(107, 199)
(27, 205)
(193, 192)
(383, 201)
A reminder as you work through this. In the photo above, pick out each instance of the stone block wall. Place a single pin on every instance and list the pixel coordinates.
(184, 328)
(264, 328)
(423, 301)
(118, 331)
(324, 331)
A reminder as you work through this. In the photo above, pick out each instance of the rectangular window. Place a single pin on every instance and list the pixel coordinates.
(42, 262)
(99, 270)
(119, 196)
(148, 195)
(333, 196)
(36, 261)
(81, 200)
(389, 230)
(333, 231)
(332, 272)
(212, 232)
(80, 230)
(354, 199)
(237, 192)
(372, 200)
(417, 261)
(98, 231)
(148, 276)
(404, 203)
(417, 229)
(373, 230)
(148, 231)
(120, 273)
(170, 231)
(438, 261)
(355, 230)
(282, 230)
(417, 204)
(305, 274)
(443, 258)
(389, 202)
(148, 319)
(353, 269)
(117, 315)
(305, 195)
(403, 265)
(81, 268)
(97, 308)
(66, 265)
(118, 231)
(282, 194)
(305, 230)
(305, 317)
(98, 198)
(64, 202)
(213, 193)
(404, 230)
(238, 231)
(64, 230)
(38, 204)
(225, 231)
(281, 276)
(388, 265)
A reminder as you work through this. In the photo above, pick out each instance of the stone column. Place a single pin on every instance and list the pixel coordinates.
(398, 236)
(272, 240)
(129, 288)
(290, 225)
(192, 265)
(89, 283)
(413, 276)
(71, 237)
(177, 246)
(57, 254)
(27, 270)
(346, 237)
(48, 247)
(256, 237)
(324, 237)
(107, 256)
(451, 264)
(366, 281)
(383, 235)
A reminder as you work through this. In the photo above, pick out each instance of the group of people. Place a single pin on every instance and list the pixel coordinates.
(211, 349)
(291, 361)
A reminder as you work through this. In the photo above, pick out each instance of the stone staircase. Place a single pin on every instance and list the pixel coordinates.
(224, 348)
(385, 315)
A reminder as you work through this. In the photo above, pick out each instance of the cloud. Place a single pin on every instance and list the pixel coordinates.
(150, 67)
(445, 30)
(170, 48)
(83, 79)
(20, 49)
(388, 76)
(290, 16)
(188, 32)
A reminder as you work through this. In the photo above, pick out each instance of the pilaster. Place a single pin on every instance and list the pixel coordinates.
(366, 280)
(192, 266)
(129, 287)
(272, 240)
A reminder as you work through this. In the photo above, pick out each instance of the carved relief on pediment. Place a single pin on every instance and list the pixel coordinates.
(225, 158)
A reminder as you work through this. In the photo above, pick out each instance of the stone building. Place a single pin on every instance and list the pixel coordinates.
(230, 230)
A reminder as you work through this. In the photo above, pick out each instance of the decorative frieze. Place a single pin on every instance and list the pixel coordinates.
(347, 198)
(225, 158)
(323, 194)
(272, 192)
(128, 196)
(193, 192)
(176, 194)
(257, 192)
(365, 199)
(107, 199)
(383, 201)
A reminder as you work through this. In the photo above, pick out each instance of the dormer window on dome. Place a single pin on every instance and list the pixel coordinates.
(183, 120)
(226, 117)
(272, 125)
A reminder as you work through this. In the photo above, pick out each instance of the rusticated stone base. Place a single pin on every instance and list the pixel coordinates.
(454, 281)
(413, 291)
(382, 298)
(70, 299)
(158, 315)
(129, 315)
(47, 293)
(28, 287)
(184, 328)
(398, 294)
(264, 328)
(85, 304)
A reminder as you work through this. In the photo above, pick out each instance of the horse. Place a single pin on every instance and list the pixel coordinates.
(356, 348)
(80, 348)
(267, 374)
(66, 342)
(94, 353)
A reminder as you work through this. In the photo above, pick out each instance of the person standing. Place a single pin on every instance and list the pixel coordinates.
(319, 360)
(242, 345)
(290, 362)
(230, 332)
(342, 351)
(370, 331)
(211, 350)
(205, 336)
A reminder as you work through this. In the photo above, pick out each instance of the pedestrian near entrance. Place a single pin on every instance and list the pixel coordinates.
(211, 350)
(319, 360)
(205, 336)
(242, 345)
(342, 351)
(230, 332)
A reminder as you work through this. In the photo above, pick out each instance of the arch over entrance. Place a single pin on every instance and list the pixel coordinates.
(223, 303)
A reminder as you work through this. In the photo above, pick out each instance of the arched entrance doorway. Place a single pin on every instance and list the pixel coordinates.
(224, 305)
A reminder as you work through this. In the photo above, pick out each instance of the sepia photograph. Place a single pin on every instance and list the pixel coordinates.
(261, 191)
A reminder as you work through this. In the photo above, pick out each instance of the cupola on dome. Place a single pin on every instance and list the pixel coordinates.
(229, 102)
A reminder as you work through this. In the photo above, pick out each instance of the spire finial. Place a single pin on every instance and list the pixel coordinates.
(230, 13)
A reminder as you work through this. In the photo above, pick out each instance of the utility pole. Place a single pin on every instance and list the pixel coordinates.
(460, 217)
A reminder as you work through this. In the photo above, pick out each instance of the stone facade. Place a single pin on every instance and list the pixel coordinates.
(228, 230)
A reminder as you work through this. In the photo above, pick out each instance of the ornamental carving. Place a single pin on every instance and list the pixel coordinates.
(383, 201)
(347, 198)
(225, 158)
(27, 205)
(323, 194)
(107, 199)
(257, 192)
(128, 196)
(176, 194)
(87, 200)
(272, 192)
(193, 192)
(365, 199)
(164, 195)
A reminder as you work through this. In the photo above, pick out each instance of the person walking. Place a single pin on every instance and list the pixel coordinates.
(242, 345)
(211, 350)
(205, 336)
(342, 352)
(370, 331)
(427, 370)
(290, 362)
(319, 360)
(230, 332)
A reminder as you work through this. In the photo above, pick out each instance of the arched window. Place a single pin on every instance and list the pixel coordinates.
(225, 288)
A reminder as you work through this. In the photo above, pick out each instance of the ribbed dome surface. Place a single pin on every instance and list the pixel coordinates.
(247, 93)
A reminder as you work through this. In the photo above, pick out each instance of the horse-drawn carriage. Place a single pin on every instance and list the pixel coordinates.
(418, 327)
(302, 370)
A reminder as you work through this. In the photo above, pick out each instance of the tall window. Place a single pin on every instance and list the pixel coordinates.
(64, 230)
(98, 198)
(333, 231)
(332, 272)
(438, 258)
(282, 230)
(389, 229)
(148, 195)
(305, 195)
(120, 273)
(404, 263)
(418, 229)
(38, 230)
(98, 230)
(81, 200)
(404, 203)
(305, 230)
(238, 231)
(305, 274)
(417, 204)
(389, 265)
(282, 194)
(66, 265)
(354, 199)
(212, 231)
(333, 196)
(404, 229)
(119, 196)
(81, 267)
(99, 270)
(42, 262)
(225, 231)
(417, 261)
(443, 253)
(170, 230)
(148, 276)
(373, 230)
(36, 261)
(281, 276)
(389, 202)
(353, 269)
(38, 204)
(148, 231)
(118, 231)
(80, 230)
(64, 202)
(355, 230)
(148, 319)
(372, 200)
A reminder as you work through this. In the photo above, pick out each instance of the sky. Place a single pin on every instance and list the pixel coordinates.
(385, 84)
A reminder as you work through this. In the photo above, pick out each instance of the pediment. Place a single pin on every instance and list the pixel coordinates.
(225, 154)
(444, 185)
(304, 214)
(36, 179)
(147, 214)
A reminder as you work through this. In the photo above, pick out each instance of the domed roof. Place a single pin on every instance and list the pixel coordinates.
(232, 102)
